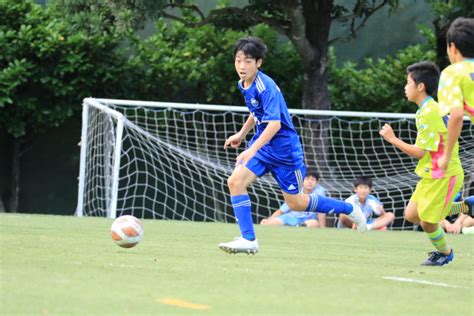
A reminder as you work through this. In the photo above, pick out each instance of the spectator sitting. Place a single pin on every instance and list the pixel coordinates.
(369, 204)
(285, 216)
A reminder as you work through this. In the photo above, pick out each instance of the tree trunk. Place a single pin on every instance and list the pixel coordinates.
(15, 176)
(440, 34)
(316, 132)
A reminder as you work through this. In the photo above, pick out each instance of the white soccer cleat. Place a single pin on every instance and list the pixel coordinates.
(358, 218)
(240, 245)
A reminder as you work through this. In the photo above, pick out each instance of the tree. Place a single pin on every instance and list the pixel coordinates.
(446, 11)
(49, 63)
(305, 23)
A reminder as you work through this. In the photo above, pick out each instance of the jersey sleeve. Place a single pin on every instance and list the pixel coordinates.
(428, 135)
(450, 95)
(375, 205)
(284, 208)
(271, 107)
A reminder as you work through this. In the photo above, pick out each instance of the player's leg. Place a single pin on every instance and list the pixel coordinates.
(468, 225)
(311, 223)
(382, 221)
(321, 220)
(291, 183)
(344, 221)
(411, 211)
(322, 204)
(272, 221)
(465, 207)
(434, 202)
(238, 182)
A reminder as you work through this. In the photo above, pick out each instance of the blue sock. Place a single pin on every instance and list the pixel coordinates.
(243, 212)
(322, 204)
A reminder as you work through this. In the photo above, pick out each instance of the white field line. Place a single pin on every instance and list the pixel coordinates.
(395, 278)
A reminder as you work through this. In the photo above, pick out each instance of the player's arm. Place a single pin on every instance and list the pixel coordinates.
(235, 140)
(387, 133)
(454, 131)
(272, 128)
(379, 210)
(276, 213)
(284, 208)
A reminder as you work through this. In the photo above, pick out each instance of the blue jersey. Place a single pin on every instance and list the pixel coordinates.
(266, 103)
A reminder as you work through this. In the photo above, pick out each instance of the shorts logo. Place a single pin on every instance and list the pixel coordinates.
(291, 187)
(254, 102)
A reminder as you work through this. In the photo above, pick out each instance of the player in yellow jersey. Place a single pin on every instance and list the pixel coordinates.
(437, 188)
(456, 86)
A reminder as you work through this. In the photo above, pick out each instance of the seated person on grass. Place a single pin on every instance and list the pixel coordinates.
(369, 204)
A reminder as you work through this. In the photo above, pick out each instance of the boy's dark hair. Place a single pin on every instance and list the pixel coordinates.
(251, 46)
(363, 180)
(427, 73)
(312, 173)
(461, 33)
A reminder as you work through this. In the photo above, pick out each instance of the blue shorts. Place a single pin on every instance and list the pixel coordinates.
(289, 180)
(291, 220)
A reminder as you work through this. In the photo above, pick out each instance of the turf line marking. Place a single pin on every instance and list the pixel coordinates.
(183, 304)
(394, 278)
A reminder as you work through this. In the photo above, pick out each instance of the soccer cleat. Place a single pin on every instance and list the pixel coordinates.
(240, 245)
(469, 201)
(358, 218)
(437, 258)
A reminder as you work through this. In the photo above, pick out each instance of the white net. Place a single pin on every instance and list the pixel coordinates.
(168, 161)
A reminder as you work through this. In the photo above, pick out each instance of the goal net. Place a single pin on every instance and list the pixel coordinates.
(166, 160)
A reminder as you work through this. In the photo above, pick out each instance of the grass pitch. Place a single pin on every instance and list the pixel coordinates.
(56, 265)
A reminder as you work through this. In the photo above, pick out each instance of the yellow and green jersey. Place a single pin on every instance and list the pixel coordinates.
(432, 132)
(456, 88)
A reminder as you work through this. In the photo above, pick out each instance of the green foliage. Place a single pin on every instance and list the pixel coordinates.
(184, 64)
(448, 10)
(379, 86)
(49, 64)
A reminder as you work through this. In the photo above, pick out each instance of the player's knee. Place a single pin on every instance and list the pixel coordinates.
(296, 205)
(234, 182)
(390, 216)
(411, 217)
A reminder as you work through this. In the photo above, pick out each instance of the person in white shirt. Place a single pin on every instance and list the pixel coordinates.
(370, 206)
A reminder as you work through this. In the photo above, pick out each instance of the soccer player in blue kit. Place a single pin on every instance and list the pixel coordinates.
(275, 147)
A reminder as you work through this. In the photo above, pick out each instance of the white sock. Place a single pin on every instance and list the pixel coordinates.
(369, 226)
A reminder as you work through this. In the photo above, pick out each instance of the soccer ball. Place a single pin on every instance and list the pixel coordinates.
(127, 231)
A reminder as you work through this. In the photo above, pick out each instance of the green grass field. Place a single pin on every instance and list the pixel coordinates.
(56, 265)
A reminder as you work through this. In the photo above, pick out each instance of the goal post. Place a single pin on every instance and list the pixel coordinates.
(166, 160)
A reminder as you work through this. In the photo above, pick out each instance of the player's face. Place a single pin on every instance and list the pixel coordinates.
(246, 67)
(362, 191)
(411, 89)
(309, 183)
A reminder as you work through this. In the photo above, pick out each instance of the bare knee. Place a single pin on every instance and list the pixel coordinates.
(296, 205)
(412, 217)
(235, 183)
(390, 216)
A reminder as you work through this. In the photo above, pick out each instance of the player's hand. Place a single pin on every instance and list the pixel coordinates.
(448, 227)
(443, 162)
(233, 141)
(244, 157)
(456, 228)
(387, 133)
